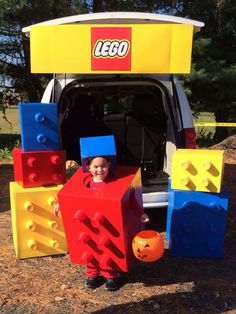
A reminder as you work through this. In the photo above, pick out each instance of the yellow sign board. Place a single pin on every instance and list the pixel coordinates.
(109, 48)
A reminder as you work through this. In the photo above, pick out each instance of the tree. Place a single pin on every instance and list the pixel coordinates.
(211, 84)
(128, 5)
(213, 77)
(15, 48)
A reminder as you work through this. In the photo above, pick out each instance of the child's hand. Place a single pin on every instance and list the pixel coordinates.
(56, 209)
(144, 218)
(71, 166)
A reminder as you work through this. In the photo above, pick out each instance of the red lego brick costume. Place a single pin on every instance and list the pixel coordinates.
(94, 271)
(100, 221)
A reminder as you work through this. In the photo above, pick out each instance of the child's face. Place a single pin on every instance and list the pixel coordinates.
(99, 168)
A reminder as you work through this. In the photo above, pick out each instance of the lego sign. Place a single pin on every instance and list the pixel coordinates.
(111, 48)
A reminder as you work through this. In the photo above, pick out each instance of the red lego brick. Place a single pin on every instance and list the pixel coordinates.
(39, 168)
(99, 224)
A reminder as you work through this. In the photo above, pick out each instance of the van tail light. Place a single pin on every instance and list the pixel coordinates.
(190, 138)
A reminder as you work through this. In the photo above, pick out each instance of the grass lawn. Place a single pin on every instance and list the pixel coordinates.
(207, 131)
(12, 125)
(9, 133)
(205, 134)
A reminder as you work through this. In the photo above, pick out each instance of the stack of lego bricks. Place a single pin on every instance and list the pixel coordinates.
(197, 204)
(39, 173)
(100, 224)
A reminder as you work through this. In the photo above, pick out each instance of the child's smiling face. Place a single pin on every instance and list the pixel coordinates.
(99, 168)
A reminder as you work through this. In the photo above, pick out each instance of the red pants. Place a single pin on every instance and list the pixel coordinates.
(93, 271)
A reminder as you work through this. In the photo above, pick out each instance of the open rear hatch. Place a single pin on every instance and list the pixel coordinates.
(115, 43)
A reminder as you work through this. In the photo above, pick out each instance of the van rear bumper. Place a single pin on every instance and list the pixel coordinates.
(155, 199)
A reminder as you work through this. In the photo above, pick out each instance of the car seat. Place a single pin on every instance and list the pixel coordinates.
(146, 128)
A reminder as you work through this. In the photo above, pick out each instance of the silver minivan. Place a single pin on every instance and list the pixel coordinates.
(148, 114)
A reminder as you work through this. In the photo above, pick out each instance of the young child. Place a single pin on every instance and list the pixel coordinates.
(99, 169)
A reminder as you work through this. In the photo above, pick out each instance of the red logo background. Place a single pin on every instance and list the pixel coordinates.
(108, 63)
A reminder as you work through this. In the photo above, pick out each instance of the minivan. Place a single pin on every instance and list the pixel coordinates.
(148, 112)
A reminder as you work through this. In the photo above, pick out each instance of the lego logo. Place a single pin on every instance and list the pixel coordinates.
(111, 48)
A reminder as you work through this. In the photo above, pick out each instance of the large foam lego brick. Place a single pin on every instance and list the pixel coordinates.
(39, 126)
(36, 231)
(39, 168)
(100, 225)
(98, 146)
(196, 223)
(197, 170)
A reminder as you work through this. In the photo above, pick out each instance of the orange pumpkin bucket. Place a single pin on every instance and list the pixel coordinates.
(148, 246)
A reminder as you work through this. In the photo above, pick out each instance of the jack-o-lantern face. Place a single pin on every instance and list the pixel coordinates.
(148, 246)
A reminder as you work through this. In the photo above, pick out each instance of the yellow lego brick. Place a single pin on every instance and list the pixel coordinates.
(197, 170)
(36, 231)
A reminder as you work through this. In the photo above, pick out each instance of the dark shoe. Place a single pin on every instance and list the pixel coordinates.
(112, 284)
(92, 283)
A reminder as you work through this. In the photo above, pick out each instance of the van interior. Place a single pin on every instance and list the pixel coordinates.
(133, 111)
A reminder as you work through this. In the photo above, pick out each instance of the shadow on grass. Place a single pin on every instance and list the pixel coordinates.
(178, 303)
(202, 285)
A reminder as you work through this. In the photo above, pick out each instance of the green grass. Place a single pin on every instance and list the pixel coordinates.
(5, 153)
(205, 117)
(9, 133)
(205, 134)
(11, 124)
(7, 143)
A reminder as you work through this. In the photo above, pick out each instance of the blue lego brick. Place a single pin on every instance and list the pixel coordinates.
(98, 146)
(196, 223)
(39, 126)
